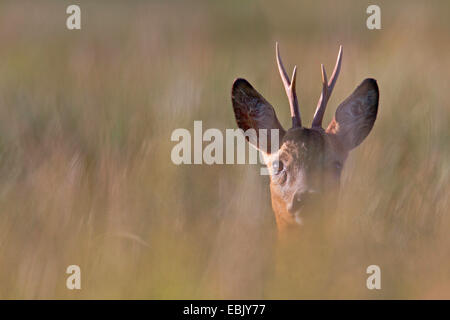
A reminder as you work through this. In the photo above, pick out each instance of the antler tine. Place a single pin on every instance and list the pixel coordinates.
(283, 73)
(327, 89)
(337, 69)
(289, 87)
(324, 81)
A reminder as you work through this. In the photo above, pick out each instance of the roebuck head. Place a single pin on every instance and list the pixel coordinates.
(305, 171)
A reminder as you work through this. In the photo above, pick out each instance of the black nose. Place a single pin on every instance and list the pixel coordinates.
(299, 200)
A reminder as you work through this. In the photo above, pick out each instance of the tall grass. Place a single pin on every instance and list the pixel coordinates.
(85, 172)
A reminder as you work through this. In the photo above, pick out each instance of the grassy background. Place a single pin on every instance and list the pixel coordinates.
(85, 171)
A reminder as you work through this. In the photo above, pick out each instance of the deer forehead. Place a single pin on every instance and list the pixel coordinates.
(305, 148)
(302, 146)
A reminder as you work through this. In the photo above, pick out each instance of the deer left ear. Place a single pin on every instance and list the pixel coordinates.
(252, 111)
(356, 116)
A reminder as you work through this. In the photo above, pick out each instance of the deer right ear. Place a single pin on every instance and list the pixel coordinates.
(356, 116)
(252, 111)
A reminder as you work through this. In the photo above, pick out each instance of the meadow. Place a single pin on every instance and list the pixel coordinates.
(86, 178)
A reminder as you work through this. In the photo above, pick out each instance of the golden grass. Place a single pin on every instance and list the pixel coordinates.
(85, 171)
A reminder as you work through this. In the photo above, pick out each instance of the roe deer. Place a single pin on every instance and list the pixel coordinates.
(305, 170)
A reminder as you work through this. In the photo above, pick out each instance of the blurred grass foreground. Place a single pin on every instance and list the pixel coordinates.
(86, 178)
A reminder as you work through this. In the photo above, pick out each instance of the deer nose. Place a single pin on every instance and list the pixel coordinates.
(300, 199)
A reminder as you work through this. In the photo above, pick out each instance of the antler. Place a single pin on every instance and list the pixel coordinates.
(289, 86)
(327, 89)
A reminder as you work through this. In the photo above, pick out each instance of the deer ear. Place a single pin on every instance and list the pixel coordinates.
(356, 116)
(252, 111)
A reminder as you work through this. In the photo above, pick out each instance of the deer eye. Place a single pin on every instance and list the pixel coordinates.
(277, 167)
(279, 174)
